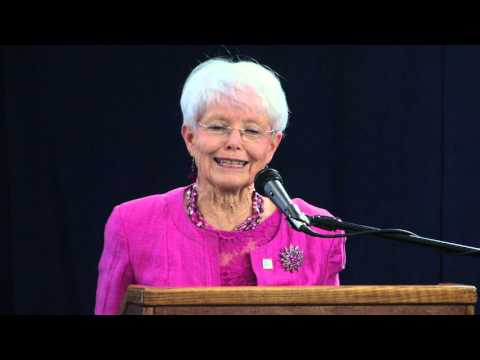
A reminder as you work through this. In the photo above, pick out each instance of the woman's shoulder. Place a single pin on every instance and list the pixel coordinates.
(150, 202)
(310, 209)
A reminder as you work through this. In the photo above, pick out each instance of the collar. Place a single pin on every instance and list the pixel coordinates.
(176, 212)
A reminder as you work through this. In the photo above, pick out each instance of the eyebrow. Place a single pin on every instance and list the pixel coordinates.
(215, 116)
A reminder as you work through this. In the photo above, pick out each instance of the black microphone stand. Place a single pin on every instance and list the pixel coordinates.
(332, 224)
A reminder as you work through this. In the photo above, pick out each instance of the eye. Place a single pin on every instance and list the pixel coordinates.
(217, 128)
(251, 131)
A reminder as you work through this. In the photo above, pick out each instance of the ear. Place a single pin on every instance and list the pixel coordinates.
(276, 140)
(188, 136)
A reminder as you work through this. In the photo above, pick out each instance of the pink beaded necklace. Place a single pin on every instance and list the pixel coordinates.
(194, 212)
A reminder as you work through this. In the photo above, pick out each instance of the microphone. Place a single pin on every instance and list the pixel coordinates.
(269, 183)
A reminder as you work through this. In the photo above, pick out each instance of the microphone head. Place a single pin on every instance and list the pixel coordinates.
(263, 177)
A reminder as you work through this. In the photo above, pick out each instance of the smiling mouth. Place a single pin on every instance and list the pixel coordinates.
(231, 163)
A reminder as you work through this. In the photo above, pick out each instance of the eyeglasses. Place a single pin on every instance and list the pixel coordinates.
(250, 134)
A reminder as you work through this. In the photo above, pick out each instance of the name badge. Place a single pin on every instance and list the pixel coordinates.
(267, 264)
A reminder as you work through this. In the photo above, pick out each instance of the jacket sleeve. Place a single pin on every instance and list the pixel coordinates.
(114, 269)
(336, 260)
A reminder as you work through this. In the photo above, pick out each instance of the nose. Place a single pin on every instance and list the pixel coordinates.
(234, 140)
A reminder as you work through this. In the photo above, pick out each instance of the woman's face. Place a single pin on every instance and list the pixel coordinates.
(229, 162)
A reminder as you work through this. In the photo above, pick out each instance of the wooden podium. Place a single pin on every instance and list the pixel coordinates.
(443, 299)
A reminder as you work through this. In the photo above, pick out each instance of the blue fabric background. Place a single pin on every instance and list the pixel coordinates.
(381, 135)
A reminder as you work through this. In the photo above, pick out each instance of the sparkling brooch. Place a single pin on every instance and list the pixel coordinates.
(291, 258)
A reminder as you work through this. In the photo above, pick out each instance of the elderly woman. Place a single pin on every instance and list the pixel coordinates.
(218, 231)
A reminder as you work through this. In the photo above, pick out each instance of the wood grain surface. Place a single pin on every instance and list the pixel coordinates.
(442, 299)
(304, 295)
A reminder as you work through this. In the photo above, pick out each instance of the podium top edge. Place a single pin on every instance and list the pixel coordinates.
(345, 294)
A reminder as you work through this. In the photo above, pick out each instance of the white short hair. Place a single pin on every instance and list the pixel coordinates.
(219, 76)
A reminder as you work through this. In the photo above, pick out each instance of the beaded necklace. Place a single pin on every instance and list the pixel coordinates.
(194, 212)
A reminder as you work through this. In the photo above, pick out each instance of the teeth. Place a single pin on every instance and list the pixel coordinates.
(237, 163)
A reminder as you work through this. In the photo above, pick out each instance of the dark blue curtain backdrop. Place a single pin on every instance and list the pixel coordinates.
(379, 135)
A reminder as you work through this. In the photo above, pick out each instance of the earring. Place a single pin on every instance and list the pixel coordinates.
(194, 166)
(193, 170)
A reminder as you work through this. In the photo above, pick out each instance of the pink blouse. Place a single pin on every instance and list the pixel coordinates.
(151, 241)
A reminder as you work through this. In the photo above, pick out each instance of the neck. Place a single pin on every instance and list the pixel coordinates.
(224, 209)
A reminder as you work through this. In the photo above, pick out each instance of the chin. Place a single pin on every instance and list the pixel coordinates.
(231, 183)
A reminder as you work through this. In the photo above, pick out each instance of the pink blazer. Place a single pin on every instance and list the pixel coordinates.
(151, 241)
